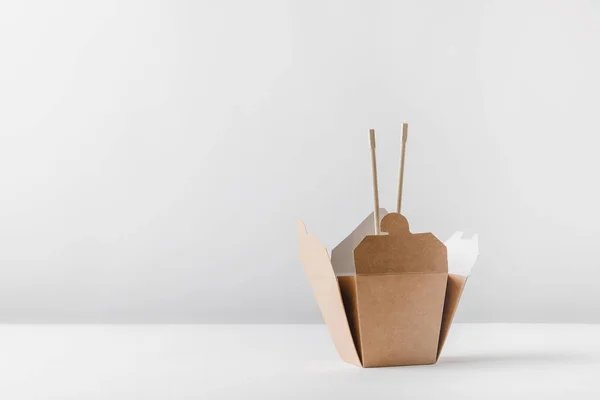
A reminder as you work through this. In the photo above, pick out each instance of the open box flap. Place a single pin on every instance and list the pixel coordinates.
(342, 255)
(319, 271)
(462, 255)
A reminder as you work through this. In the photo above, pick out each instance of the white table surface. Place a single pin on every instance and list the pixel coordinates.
(485, 361)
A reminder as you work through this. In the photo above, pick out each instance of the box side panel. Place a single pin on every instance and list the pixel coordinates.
(454, 290)
(400, 318)
(348, 289)
(317, 266)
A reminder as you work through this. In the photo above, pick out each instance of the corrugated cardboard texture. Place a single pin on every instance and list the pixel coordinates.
(400, 251)
(454, 290)
(342, 255)
(319, 271)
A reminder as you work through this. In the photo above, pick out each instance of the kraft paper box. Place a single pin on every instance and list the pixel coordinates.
(388, 299)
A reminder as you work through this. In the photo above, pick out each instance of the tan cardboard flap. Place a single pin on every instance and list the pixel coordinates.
(454, 289)
(342, 255)
(350, 297)
(400, 251)
(462, 255)
(319, 271)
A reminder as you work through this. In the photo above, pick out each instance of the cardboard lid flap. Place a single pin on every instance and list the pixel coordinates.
(454, 290)
(319, 271)
(400, 251)
(462, 255)
(342, 255)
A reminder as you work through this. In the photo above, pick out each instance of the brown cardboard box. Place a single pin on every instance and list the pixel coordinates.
(388, 300)
(388, 296)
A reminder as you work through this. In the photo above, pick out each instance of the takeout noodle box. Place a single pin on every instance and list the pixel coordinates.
(389, 299)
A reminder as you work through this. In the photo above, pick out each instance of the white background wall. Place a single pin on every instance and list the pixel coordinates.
(155, 155)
